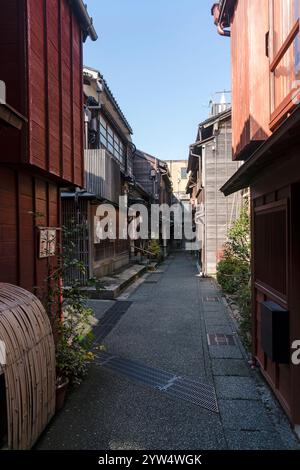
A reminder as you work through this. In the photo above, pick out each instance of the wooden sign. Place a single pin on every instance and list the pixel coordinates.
(47, 242)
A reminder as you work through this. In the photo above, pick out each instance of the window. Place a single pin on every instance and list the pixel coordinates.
(271, 253)
(111, 141)
(285, 56)
(183, 173)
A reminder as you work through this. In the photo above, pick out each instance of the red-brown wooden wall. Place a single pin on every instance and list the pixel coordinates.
(43, 75)
(280, 186)
(41, 64)
(21, 196)
(276, 253)
(250, 73)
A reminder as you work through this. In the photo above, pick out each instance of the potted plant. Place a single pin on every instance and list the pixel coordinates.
(71, 318)
(73, 348)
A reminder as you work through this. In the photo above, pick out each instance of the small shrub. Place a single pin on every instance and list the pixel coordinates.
(244, 304)
(231, 273)
(155, 250)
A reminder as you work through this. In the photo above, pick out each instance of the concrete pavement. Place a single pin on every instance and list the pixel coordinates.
(178, 323)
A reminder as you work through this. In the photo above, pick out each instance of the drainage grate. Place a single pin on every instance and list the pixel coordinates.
(110, 319)
(184, 388)
(219, 339)
(210, 299)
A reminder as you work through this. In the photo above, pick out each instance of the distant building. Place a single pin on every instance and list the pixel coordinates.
(107, 175)
(154, 176)
(210, 165)
(179, 178)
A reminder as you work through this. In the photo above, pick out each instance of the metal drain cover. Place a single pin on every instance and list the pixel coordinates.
(219, 339)
(211, 299)
(110, 319)
(183, 388)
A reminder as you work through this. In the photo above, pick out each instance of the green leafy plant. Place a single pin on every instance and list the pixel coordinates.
(154, 249)
(234, 271)
(67, 307)
(73, 347)
(239, 241)
(244, 303)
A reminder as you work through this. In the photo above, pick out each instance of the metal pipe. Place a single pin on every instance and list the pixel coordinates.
(222, 31)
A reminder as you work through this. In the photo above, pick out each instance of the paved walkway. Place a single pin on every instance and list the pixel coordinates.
(166, 327)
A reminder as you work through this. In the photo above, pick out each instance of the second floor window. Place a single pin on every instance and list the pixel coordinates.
(183, 173)
(284, 55)
(111, 141)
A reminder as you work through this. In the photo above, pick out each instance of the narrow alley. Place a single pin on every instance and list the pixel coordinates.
(174, 375)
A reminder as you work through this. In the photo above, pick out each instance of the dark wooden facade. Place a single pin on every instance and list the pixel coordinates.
(159, 186)
(210, 164)
(108, 175)
(266, 122)
(41, 64)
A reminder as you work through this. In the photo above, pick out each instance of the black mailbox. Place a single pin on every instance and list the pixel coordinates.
(275, 334)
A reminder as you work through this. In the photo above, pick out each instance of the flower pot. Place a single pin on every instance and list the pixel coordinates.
(61, 391)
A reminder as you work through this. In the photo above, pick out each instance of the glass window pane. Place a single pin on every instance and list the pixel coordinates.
(110, 131)
(103, 140)
(110, 148)
(183, 172)
(103, 121)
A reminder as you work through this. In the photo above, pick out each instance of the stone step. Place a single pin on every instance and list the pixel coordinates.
(112, 287)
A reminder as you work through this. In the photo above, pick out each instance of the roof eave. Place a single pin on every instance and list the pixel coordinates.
(265, 155)
(11, 117)
(85, 20)
(226, 9)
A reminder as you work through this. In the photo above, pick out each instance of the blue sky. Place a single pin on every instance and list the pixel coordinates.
(163, 60)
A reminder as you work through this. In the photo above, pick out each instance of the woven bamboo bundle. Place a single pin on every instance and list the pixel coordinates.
(30, 365)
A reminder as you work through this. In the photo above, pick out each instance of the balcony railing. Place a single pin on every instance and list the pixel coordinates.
(102, 175)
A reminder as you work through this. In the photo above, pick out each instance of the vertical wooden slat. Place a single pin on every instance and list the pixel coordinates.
(46, 72)
(30, 366)
(72, 96)
(61, 137)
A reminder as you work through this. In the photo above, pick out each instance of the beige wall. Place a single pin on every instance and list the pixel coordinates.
(179, 184)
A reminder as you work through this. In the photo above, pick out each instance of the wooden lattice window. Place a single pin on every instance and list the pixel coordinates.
(270, 247)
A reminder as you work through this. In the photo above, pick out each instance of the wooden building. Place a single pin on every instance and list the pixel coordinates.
(154, 176)
(210, 165)
(265, 46)
(179, 179)
(40, 63)
(108, 174)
